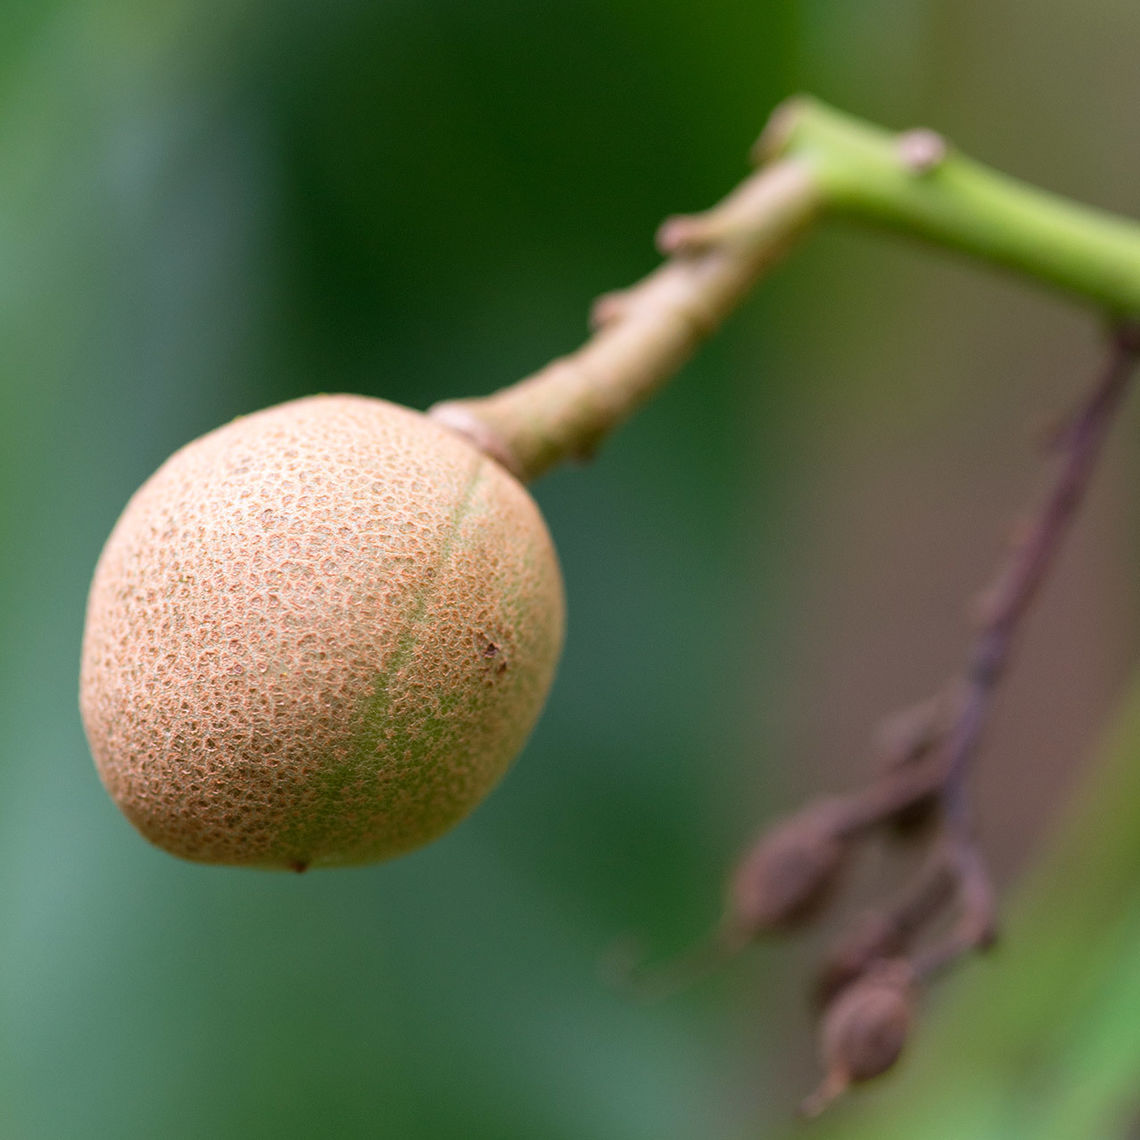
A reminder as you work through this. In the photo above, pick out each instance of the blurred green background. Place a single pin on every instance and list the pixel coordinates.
(207, 208)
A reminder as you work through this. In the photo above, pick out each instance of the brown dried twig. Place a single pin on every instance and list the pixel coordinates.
(868, 984)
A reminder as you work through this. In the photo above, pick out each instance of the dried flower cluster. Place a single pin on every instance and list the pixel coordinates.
(869, 982)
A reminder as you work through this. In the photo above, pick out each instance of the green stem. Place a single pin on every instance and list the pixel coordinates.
(816, 162)
(951, 200)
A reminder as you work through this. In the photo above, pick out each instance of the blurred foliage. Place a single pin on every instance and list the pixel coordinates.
(209, 208)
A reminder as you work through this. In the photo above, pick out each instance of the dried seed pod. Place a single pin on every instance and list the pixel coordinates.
(787, 874)
(317, 635)
(864, 1030)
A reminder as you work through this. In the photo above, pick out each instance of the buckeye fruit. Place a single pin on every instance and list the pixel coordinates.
(316, 636)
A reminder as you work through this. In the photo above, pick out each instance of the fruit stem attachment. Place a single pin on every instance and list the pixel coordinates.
(813, 162)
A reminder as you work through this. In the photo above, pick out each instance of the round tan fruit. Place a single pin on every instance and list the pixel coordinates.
(317, 636)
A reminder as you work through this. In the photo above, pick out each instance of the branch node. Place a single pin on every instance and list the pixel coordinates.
(921, 150)
(609, 308)
(777, 133)
(688, 235)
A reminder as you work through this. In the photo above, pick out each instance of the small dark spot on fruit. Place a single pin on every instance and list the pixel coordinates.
(299, 865)
(490, 649)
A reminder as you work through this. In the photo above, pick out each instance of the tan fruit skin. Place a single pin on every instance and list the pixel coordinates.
(318, 635)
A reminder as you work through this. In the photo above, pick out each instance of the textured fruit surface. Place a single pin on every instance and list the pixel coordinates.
(317, 635)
